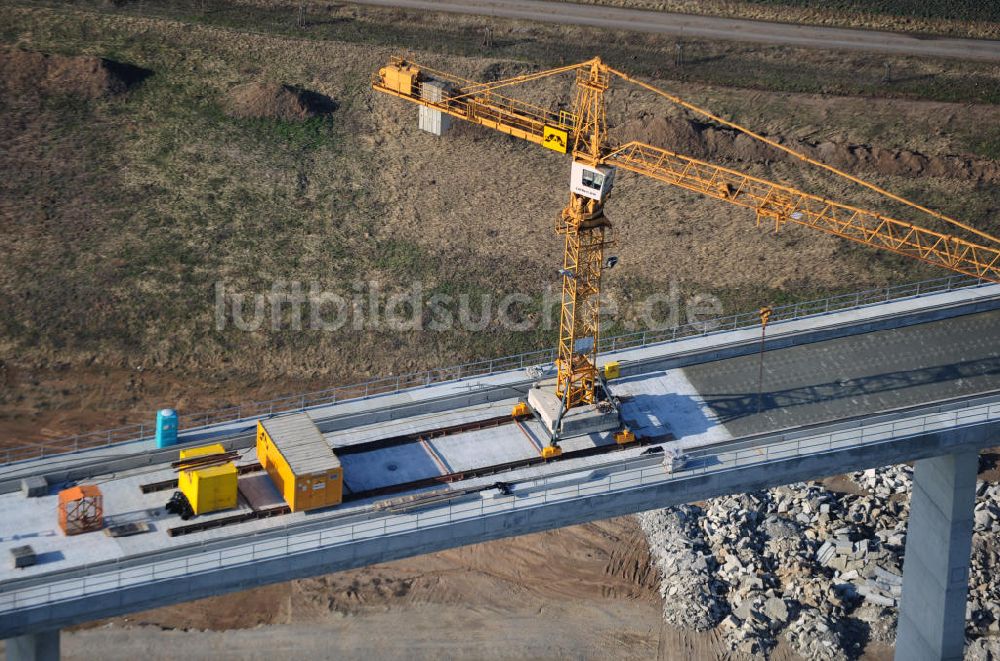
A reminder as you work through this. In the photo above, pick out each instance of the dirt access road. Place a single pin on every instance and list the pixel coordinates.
(711, 27)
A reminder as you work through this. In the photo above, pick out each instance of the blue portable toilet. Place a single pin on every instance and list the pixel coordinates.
(166, 428)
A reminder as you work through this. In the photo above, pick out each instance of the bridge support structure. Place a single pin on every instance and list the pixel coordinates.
(39, 646)
(936, 564)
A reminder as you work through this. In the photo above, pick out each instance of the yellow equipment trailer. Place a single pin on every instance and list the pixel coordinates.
(301, 464)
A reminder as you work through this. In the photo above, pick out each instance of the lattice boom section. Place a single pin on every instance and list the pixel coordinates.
(783, 204)
(501, 113)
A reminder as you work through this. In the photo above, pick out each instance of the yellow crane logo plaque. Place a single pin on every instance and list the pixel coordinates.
(554, 139)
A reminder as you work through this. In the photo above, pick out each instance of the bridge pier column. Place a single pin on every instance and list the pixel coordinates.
(41, 646)
(936, 565)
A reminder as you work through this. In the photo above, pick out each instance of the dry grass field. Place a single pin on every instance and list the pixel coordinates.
(123, 206)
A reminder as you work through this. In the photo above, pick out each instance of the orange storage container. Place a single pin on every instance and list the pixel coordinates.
(81, 509)
(300, 463)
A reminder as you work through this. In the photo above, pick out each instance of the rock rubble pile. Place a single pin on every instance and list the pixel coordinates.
(823, 569)
(682, 560)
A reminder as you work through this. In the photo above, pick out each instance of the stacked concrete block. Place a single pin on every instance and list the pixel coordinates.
(429, 119)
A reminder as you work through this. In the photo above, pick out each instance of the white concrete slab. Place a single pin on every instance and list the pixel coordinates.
(379, 468)
(668, 401)
(485, 447)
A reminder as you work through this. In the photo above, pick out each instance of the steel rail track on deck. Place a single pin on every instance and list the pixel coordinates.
(435, 480)
(367, 446)
(693, 457)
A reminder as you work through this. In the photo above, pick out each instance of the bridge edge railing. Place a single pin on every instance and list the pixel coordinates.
(486, 367)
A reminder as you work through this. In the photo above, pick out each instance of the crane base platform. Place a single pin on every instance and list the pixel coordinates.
(580, 420)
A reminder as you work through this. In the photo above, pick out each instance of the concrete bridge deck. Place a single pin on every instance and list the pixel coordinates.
(845, 391)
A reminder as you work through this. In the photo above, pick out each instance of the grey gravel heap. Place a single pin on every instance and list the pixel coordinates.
(821, 568)
(812, 635)
(685, 565)
(983, 649)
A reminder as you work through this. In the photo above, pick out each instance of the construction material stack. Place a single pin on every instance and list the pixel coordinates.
(301, 464)
(431, 120)
(208, 486)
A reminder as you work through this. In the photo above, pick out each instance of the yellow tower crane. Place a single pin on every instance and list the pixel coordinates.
(582, 132)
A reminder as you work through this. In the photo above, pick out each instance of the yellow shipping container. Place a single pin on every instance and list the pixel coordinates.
(301, 464)
(208, 489)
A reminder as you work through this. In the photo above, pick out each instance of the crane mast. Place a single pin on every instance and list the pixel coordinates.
(579, 390)
(587, 233)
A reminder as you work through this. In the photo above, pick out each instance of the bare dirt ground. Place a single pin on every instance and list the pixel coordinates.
(582, 592)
